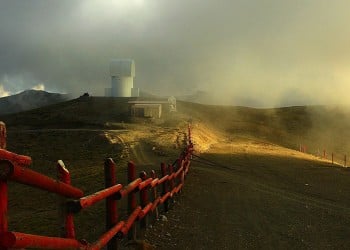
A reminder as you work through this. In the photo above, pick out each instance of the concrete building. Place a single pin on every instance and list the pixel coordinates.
(122, 72)
(149, 110)
(152, 108)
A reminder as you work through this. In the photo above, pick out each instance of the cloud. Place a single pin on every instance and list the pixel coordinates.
(3, 92)
(39, 86)
(235, 49)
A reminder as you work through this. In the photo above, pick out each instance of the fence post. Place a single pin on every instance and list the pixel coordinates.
(155, 194)
(3, 183)
(171, 182)
(344, 160)
(131, 198)
(181, 176)
(4, 166)
(324, 154)
(2, 135)
(332, 158)
(144, 202)
(111, 202)
(189, 135)
(67, 228)
(163, 169)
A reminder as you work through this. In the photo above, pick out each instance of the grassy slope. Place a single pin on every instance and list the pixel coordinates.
(317, 127)
(87, 149)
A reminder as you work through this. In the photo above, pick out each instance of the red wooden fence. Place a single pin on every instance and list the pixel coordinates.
(14, 167)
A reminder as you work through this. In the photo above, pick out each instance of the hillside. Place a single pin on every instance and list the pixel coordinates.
(318, 127)
(260, 189)
(29, 99)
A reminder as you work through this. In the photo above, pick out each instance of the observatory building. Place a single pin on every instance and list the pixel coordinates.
(122, 73)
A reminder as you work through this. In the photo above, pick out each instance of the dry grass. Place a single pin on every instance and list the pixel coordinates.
(260, 144)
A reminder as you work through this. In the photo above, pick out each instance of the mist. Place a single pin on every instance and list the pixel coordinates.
(254, 53)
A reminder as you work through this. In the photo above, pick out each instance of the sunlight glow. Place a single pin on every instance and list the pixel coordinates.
(39, 86)
(3, 92)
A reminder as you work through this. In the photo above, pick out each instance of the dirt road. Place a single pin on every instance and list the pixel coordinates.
(267, 202)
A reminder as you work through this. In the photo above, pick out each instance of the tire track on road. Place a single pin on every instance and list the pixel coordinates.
(303, 199)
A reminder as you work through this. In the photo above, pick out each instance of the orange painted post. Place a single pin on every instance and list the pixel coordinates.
(67, 227)
(144, 202)
(172, 181)
(131, 199)
(344, 160)
(3, 196)
(189, 135)
(111, 202)
(165, 185)
(179, 171)
(2, 135)
(154, 193)
(3, 183)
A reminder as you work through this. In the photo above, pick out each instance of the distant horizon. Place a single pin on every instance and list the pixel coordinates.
(255, 53)
(187, 97)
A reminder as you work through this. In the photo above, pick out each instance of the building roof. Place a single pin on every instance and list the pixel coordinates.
(147, 105)
(147, 102)
(122, 67)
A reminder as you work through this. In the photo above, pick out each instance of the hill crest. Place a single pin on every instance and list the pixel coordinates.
(29, 99)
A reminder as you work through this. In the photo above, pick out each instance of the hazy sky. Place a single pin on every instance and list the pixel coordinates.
(248, 52)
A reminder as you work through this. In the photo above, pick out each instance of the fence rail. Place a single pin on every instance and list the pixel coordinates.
(14, 167)
(334, 158)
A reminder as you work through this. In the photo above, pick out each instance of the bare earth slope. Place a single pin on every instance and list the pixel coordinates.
(273, 198)
(260, 194)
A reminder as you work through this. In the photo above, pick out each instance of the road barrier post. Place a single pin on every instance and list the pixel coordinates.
(2, 135)
(344, 160)
(155, 195)
(4, 166)
(66, 217)
(144, 202)
(3, 182)
(165, 190)
(111, 202)
(132, 198)
(189, 135)
(172, 181)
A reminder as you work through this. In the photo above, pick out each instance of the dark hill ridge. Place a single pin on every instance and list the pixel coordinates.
(317, 127)
(76, 113)
(281, 199)
(29, 99)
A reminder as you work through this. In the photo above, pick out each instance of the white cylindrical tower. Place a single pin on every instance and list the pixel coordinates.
(122, 72)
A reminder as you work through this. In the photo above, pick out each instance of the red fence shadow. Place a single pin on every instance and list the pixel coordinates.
(14, 167)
